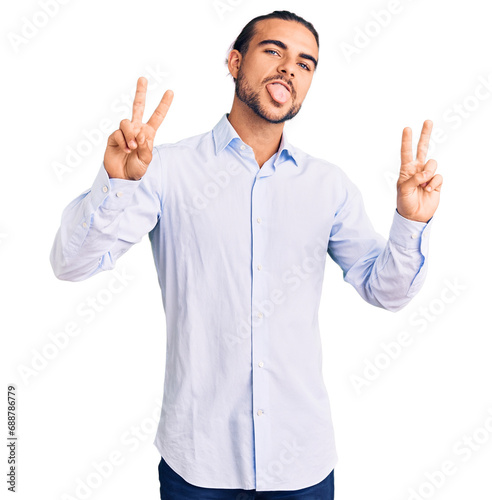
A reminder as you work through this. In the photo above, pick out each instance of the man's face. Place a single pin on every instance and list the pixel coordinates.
(280, 51)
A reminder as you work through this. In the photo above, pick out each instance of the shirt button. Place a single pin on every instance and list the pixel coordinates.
(84, 225)
(259, 267)
(260, 315)
(260, 364)
(105, 189)
(260, 412)
(415, 235)
(119, 194)
(258, 220)
(243, 147)
(424, 235)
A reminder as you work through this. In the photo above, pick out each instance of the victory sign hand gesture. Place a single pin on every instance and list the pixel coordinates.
(129, 149)
(418, 189)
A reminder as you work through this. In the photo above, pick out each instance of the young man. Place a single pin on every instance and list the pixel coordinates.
(240, 223)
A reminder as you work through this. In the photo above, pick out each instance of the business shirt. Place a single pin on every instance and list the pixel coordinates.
(240, 254)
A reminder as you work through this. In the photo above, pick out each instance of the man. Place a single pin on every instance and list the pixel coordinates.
(240, 223)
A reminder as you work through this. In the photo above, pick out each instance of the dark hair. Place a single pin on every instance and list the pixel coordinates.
(242, 41)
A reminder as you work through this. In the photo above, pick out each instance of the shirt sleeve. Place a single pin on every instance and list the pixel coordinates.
(386, 273)
(103, 222)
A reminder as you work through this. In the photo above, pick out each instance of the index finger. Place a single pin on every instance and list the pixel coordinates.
(139, 101)
(161, 111)
(423, 145)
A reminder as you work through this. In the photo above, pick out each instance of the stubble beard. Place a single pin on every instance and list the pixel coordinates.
(252, 99)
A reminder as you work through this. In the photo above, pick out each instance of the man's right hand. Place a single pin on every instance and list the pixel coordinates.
(129, 149)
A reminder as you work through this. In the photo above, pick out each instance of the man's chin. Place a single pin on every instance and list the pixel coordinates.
(271, 111)
(275, 119)
(280, 115)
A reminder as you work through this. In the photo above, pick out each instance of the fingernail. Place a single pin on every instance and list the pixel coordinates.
(133, 144)
(428, 188)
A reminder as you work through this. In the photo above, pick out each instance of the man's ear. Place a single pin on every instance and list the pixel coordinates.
(234, 62)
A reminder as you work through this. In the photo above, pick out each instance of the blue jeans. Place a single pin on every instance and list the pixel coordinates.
(174, 487)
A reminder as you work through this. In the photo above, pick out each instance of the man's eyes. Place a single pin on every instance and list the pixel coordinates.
(304, 66)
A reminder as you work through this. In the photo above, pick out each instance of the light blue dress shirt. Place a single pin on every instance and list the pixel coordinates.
(240, 255)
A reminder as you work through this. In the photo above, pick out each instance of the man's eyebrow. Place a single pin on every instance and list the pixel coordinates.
(282, 45)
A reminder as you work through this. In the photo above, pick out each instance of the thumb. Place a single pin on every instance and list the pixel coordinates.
(143, 151)
(419, 178)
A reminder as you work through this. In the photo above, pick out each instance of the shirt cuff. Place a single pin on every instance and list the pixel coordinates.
(113, 194)
(410, 234)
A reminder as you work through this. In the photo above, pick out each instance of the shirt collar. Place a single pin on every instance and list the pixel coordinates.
(224, 133)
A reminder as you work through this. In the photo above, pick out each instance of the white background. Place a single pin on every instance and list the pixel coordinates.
(80, 406)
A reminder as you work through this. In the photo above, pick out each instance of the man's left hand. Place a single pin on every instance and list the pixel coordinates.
(418, 187)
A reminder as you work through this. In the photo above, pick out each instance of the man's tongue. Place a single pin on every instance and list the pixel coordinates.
(278, 92)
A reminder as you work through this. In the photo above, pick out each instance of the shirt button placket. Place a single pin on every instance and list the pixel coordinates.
(260, 323)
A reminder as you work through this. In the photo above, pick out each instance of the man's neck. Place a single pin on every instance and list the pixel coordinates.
(263, 137)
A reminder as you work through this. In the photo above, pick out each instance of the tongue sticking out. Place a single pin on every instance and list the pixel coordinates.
(278, 92)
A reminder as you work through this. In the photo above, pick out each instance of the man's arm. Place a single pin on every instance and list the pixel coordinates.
(388, 274)
(124, 203)
(103, 222)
